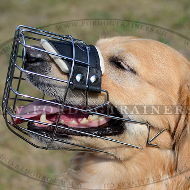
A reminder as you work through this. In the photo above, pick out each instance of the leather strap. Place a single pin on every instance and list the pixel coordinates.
(79, 76)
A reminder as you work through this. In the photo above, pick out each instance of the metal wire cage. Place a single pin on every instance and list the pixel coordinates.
(15, 93)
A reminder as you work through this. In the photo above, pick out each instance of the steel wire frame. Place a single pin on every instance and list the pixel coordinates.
(20, 39)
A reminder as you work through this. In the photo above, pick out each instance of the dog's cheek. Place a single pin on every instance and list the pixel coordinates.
(47, 85)
(120, 151)
(38, 81)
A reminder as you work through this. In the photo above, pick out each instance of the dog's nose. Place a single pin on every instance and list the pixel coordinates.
(33, 56)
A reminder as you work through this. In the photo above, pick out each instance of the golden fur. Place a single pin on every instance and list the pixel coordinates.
(163, 79)
(154, 74)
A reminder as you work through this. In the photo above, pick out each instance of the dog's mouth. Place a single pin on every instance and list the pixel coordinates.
(43, 116)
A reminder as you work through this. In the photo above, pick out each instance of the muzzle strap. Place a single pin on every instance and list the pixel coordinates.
(80, 72)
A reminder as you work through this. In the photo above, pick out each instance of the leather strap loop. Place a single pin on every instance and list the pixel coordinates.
(80, 73)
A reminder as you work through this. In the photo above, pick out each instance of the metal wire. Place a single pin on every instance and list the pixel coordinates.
(12, 94)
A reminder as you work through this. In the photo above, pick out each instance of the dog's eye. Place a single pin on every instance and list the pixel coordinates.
(121, 65)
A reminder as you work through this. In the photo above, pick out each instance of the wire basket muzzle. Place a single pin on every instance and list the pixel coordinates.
(25, 111)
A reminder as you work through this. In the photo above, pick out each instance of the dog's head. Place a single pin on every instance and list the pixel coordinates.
(145, 80)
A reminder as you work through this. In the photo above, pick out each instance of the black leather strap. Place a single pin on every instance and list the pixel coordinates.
(79, 76)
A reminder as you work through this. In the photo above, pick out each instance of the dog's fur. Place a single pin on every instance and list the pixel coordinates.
(137, 72)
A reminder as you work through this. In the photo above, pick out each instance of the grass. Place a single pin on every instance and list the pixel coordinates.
(172, 15)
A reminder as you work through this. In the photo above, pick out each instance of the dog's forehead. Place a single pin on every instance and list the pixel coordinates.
(124, 45)
(125, 48)
(155, 62)
(143, 54)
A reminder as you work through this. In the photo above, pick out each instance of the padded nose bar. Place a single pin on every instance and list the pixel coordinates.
(82, 78)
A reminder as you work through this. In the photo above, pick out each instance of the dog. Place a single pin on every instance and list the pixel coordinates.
(140, 72)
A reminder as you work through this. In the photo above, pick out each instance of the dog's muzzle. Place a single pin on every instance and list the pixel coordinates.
(84, 65)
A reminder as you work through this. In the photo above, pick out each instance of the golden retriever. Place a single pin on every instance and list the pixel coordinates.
(150, 82)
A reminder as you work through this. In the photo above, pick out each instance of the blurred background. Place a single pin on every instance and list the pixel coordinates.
(88, 21)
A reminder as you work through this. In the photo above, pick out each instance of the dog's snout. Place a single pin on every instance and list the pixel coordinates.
(35, 58)
(33, 55)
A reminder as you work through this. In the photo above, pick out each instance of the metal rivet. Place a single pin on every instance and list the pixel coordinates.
(79, 77)
(93, 79)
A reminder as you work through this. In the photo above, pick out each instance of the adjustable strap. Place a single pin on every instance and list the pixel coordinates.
(80, 72)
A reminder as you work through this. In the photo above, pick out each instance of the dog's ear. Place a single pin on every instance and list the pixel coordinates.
(181, 134)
